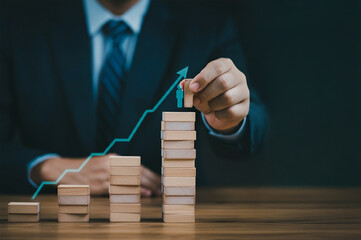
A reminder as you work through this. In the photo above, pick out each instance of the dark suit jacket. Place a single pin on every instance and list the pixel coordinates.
(46, 103)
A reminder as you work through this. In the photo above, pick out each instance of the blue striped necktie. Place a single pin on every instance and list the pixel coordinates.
(111, 84)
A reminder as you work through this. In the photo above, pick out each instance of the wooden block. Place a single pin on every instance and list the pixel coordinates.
(178, 209)
(177, 200)
(82, 209)
(74, 200)
(179, 116)
(121, 190)
(125, 208)
(177, 126)
(24, 207)
(125, 171)
(124, 198)
(182, 163)
(23, 217)
(179, 181)
(178, 135)
(178, 144)
(179, 218)
(125, 180)
(179, 172)
(188, 94)
(73, 190)
(124, 161)
(67, 217)
(179, 191)
(124, 217)
(178, 153)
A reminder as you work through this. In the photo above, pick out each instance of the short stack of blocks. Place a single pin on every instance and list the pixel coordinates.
(124, 189)
(178, 166)
(23, 212)
(74, 203)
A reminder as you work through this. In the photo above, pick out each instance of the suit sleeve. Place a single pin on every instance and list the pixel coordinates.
(253, 136)
(14, 156)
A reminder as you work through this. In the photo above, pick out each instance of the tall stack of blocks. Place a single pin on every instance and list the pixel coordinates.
(178, 166)
(124, 189)
(74, 201)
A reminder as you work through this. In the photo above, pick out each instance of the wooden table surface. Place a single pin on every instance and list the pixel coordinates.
(223, 213)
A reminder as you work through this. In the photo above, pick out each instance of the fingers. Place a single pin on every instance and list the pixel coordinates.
(145, 192)
(228, 99)
(210, 72)
(233, 113)
(150, 181)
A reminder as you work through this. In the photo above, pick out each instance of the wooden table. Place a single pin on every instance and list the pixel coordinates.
(224, 213)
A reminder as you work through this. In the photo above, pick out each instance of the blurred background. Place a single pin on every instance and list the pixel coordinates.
(304, 58)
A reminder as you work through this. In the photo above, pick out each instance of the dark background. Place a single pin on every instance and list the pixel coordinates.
(304, 57)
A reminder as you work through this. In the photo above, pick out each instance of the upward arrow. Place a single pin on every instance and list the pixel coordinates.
(182, 74)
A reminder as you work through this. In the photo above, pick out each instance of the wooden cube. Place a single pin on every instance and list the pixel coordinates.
(178, 209)
(124, 217)
(176, 163)
(178, 191)
(124, 198)
(73, 200)
(179, 116)
(179, 172)
(178, 153)
(125, 171)
(73, 190)
(177, 126)
(188, 94)
(23, 217)
(179, 181)
(178, 135)
(125, 208)
(124, 161)
(179, 200)
(74, 209)
(125, 180)
(24, 207)
(178, 144)
(179, 218)
(70, 218)
(123, 190)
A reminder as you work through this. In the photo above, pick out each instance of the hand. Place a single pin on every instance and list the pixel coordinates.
(221, 94)
(95, 173)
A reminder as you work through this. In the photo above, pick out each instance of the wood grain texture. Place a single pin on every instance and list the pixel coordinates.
(178, 153)
(188, 94)
(124, 161)
(180, 144)
(24, 207)
(179, 116)
(178, 135)
(223, 213)
(177, 126)
(73, 190)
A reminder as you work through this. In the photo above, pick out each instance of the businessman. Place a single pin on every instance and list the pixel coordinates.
(77, 74)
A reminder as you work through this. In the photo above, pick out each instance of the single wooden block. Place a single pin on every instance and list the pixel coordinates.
(178, 200)
(179, 218)
(178, 144)
(178, 209)
(179, 116)
(177, 126)
(178, 135)
(121, 190)
(124, 198)
(125, 208)
(24, 207)
(188, 94)
(73, 190)
(124, 217)
(74, 200)
(176, 163)
(68, 217)
(178, 153)
(179, 172)
(23, 217)
(124, 161)
(179, 191)
(179, 181)
(80, 209)
(125, 171)
(125, 180)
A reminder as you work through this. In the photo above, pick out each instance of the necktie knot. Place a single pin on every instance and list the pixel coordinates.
(117, 30)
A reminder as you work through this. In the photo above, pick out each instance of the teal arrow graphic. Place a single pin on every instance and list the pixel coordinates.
(182, 74)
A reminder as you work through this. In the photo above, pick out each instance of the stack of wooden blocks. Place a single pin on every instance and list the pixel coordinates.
(178, 166)
(74, 203)
(124, 189)
(23, 212)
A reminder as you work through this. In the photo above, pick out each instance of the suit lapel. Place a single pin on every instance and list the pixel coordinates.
(150, 63)
(72, 54)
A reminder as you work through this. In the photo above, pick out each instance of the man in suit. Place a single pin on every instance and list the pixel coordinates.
(77, 74)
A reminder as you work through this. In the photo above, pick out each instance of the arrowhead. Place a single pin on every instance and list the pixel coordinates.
(183, 72)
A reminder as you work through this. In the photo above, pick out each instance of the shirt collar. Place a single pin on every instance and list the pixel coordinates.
(96, 16)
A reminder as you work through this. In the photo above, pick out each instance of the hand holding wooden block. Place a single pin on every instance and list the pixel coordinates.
(188, 94)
